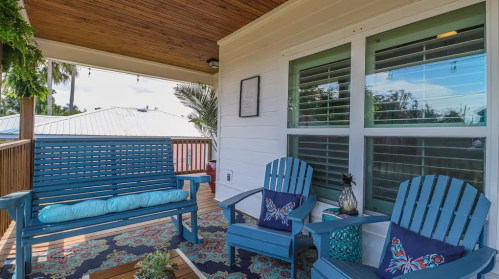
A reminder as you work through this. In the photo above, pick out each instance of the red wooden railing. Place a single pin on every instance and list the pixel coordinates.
(191, 155)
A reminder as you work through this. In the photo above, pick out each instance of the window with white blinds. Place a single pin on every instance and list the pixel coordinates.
(392, 160)
(328, 155)
(320, 90)
(431, 73)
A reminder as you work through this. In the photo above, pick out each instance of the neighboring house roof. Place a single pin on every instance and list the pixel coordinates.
(9, 124)
(117, 121)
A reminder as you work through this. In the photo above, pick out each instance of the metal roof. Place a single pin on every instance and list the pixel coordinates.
(119, 121)
(10, 124)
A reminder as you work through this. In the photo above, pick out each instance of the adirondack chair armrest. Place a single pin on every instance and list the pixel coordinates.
(14, 200)
(237, 198)
(299, 214)
(466, 267)
(325, 227)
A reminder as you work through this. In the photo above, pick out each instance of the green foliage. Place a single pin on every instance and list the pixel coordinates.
(61, 72)
(25, 83)
(156, 266)
(202, 99)
(20, 54)
(57, 110)
(10, 106)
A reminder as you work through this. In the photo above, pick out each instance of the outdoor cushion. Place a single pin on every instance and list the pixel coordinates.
(161, 197)
(56, 213)
(409, 251)
(123, 203)
(275, 209)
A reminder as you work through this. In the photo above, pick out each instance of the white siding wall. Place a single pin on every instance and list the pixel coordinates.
(264, 48)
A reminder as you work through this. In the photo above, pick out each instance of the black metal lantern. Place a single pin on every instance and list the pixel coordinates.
(348, 202)
(213, 63)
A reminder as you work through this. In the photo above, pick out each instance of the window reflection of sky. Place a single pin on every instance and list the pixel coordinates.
(444, 85)
(332, 89)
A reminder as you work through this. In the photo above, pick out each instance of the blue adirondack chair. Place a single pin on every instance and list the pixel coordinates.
(413, 210)
(285, 175)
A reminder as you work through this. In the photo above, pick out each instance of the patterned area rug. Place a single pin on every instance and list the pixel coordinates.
(210, 257)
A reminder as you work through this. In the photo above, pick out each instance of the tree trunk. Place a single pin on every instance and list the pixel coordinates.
(1, 75)
(72, 96)
(49, 85)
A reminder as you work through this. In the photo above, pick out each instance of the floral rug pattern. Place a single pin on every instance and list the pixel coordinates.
(210, 257)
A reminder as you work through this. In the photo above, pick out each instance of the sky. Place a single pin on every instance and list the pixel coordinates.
(112, 89)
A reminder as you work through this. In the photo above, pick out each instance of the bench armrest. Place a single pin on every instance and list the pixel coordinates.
(299, 214)
(328, 226)
(14, 200)
(197, 178)
(466, 267)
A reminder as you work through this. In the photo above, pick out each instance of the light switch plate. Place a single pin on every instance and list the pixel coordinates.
(229, 177)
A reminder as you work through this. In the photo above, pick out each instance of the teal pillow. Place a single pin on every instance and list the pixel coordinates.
(123, 203)
(56, 213)
(162, 197)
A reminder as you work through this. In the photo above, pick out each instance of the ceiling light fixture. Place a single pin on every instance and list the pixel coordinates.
(443, 35)
(213, 63)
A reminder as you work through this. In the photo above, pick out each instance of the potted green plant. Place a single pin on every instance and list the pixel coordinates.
(156, 266)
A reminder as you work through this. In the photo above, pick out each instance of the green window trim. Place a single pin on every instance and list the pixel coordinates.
(431, 73)
(319, 89)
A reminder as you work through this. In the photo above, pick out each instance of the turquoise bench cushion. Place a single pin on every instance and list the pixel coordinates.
(56, 213)
(161, 197)
(123, 203)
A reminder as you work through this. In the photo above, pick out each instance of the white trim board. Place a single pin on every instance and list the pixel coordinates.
(190, 264)
(23, 12)
(283, 8)
(109, 61)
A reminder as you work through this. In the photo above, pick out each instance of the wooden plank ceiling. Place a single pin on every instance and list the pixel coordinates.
(182, 33)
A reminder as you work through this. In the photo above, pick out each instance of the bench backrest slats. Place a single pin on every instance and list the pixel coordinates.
(70, 170)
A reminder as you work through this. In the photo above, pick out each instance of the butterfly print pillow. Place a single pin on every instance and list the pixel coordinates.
(409, 252)
(276, 207)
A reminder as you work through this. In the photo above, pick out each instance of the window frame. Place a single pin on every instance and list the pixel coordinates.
(356, 35)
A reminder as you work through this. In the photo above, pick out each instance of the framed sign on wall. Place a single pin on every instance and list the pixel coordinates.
(249, 98)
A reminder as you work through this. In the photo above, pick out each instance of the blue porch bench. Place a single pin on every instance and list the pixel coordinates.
(71, 170)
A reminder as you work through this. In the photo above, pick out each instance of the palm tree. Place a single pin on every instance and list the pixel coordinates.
(61, 74)
(74, 75)
(202, 99)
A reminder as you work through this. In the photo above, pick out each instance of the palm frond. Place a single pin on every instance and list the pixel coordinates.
(202, 99)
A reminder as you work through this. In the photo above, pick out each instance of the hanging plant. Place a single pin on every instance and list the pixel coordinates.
(19, 53)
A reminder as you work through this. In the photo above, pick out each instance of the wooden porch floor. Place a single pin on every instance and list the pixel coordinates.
(206, 203)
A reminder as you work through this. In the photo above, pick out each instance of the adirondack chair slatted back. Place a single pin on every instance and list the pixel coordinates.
(290, 175)
(70, 170)
(442, 216)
